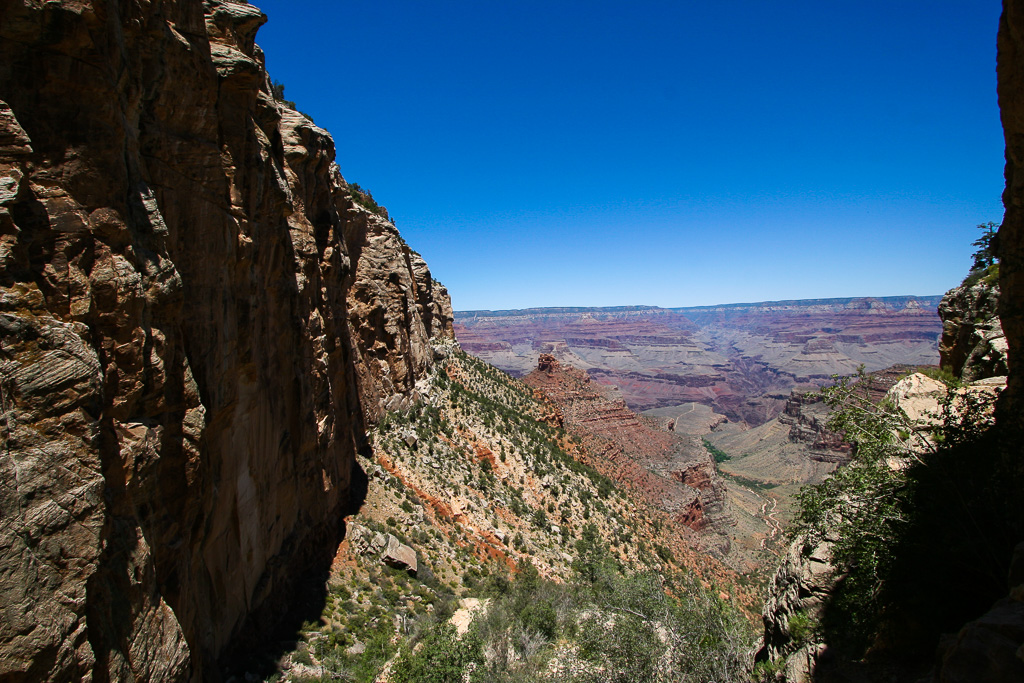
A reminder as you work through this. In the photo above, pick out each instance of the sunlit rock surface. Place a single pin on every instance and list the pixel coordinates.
(196, 319)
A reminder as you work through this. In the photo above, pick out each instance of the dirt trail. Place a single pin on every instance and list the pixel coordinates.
(775, 528)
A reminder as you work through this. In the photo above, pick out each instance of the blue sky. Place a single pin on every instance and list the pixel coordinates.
(566, 153)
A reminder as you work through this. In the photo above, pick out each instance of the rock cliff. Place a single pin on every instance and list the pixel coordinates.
(1010, 238)
(973, 345)
(195, 320)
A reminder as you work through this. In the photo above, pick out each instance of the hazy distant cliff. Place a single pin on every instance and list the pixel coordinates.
(740, 359)
(194, 319)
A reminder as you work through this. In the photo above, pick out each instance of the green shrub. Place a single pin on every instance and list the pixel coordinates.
(801, 628)
(719, 455)
(443, 658)
(903, 535)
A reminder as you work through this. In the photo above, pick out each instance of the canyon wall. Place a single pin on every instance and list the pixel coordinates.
(195, 320)
(1010, 238)
(671, 471)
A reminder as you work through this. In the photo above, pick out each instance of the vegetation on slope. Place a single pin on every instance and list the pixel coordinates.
(557, 570)
(921, 526)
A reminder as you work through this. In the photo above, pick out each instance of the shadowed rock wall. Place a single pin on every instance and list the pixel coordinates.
(1010, 247)
(189, 344)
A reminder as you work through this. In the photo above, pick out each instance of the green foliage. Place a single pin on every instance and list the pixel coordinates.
(801, 628)
(769, 670)
(862, 506)
(984, 256)
(364, 199)
(442, 657)
(904, 520)
(540, 519)
(984, 267)
(539, 616)
(989, 276)
(749, 483)
(719, 455)
(277, 90)
(593, 563)
(641, 633)
(629, 627)
(664, 553)
(302, 656)
(943, 374)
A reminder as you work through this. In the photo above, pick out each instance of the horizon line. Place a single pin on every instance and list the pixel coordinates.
(641, 307)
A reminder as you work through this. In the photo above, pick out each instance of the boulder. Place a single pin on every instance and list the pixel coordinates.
(399, 555)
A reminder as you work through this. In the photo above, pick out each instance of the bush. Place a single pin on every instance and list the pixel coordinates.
(903, 521)
(443, 658)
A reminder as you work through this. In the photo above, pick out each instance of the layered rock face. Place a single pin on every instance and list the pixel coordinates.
(973, 345)
(806, 415)
(196, 319)
(670, 470)
(740, 359)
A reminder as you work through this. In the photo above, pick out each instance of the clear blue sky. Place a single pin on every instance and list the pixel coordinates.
(592, 153)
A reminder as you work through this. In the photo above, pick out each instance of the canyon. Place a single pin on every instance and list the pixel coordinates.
(742, 360)
(672, 471)
(226, 381)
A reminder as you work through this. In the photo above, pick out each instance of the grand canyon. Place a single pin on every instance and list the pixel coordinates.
(742, 360)
(246, 438)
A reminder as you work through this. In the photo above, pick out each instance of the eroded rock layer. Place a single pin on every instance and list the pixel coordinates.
(195, 320)
(672, 471)
(973, 345)
(740, 359)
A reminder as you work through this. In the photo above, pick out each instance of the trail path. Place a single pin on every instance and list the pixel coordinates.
(774, 527)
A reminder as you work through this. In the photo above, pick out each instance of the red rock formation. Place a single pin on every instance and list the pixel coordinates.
(696, 476)
(190, 337)
(671, 471)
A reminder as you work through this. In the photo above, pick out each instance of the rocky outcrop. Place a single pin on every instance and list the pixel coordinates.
(973, 345)
(196, 320)
(804, 583)
(387, 547)
(796, 599)
(394, 307)
(806, 415)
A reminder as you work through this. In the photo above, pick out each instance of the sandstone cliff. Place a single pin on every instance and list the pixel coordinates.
(196, 319)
